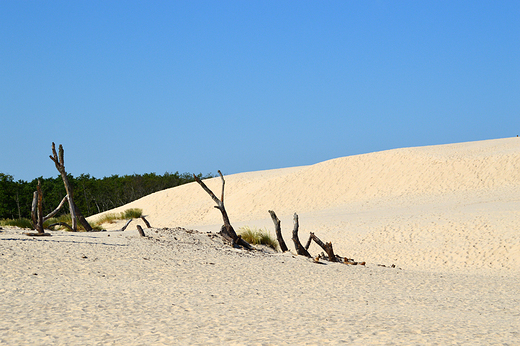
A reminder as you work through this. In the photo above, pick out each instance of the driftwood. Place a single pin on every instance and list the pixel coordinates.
(308, 243)
(325, 246)
(37, 216)
(51, 214)
(226, 231)
(300, 250)
(64, 224)
(125, 226)
(278, 231)
(75, 214)
(34, 207)
(303, 250)
(140, 230)
(146, 222)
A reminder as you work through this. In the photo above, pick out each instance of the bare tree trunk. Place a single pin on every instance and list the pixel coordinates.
(300, 250)
(278, 231)
(74, 211)
(140, 230)
(33, 208)
(39, 225)
(37, 216)
(227, 230)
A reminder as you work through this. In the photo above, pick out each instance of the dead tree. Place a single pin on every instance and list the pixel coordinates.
(74, 211)
(300, 250)
(226, 231)
(278, 231)
(37, 212)
(303, 250)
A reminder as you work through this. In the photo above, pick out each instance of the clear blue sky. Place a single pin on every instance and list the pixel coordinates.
(196, 86)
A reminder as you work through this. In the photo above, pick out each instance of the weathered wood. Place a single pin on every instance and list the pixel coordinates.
(146, 222)
(51, 214)
(325, 246)
(223, 184)
(62, 224)
(126, 225)
(140, 230)
(278, 231)
(38, 234)
(226, 230)
(308, 243)
(75, 214)
(300, 250)
(39, 224)
(33, 208)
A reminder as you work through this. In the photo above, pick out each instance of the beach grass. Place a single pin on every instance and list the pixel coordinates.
(258, 237)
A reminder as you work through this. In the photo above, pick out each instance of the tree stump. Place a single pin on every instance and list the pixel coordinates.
(300, 250)
(278, 231)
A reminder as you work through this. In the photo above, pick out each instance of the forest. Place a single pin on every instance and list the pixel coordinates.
(91, 195)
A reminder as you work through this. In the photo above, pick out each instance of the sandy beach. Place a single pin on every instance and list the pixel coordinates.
(445, 217)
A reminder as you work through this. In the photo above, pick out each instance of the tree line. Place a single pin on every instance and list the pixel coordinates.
(91, 195)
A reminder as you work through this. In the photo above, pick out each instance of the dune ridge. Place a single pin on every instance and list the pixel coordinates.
(443, 207)
(446, 216)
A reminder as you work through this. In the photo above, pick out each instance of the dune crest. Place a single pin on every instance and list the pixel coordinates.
(446, 207)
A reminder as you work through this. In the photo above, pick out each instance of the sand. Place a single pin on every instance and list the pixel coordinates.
(445, 216)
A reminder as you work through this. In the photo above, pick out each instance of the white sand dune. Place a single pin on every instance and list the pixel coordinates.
(447, 216)
(445, 208)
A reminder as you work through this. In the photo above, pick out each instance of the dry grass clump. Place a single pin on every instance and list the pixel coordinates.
(22, 223)
(133, 213)
(108, 218)
(258, 236)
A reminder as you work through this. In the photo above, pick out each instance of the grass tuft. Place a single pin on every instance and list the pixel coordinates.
(258, 236)
(108, 218)
(133, 213)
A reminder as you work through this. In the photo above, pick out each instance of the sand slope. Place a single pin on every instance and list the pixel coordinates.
(448, 207)
(187, 288)
(447, 216)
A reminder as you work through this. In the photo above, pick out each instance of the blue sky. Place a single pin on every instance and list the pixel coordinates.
(196, 86)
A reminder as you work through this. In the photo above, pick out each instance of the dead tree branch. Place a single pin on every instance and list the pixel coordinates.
(125, 226)
(325, 246)
(37, 217)
(34, 206)
(59, 162)
(140, 230)
(226, 230)
(278, 231)
(300, 250)
(308, 243)
(146, 222)
(51, 214)
(64, 224)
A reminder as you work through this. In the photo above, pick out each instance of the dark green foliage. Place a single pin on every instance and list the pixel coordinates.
(91, 195)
